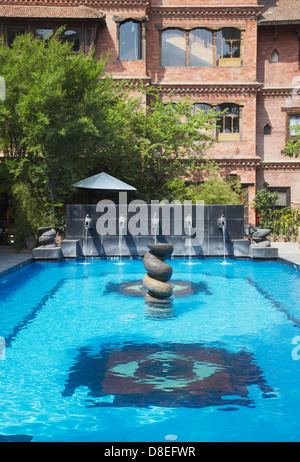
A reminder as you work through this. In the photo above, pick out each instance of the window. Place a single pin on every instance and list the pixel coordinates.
(228, 47)
(267, 129)
(274, 57)
(201, 47)
(173, 47)
(206, 108)
(202, 107)
(130, 41)
(293, 126)
(284, 199)
(12, 33)
(233, 178)
(43, 33)
(228, 124)
(227, 127)
(72, 36)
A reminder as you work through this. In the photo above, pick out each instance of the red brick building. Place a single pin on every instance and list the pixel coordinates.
(242, 55)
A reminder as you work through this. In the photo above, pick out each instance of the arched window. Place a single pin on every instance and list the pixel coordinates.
(201, 48)
(43, 33)
(274, 57)
(202, 107)
(173, 47)
(208, 130)
(267, 129)
(72, 36)
(229, 122)
(130, 41)
(228, 46)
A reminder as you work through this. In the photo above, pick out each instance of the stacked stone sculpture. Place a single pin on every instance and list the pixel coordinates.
(46, 236)
(158, 274)
(258, 236)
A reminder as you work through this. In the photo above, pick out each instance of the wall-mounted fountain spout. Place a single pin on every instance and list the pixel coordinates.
(222, 221)
(87, 221)
(222, 225)
(86, 227)
(188, 221)
(122, 221)
(154, 225)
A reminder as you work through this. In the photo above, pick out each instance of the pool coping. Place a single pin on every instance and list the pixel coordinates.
(13, 262)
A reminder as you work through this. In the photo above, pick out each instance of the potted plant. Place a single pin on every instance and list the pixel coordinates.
(282, 238)
(273, 237)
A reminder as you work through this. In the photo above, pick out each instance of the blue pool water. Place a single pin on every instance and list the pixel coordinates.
(85, 358)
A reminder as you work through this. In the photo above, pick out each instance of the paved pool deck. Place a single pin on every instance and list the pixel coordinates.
(10, 261)
(289, 253)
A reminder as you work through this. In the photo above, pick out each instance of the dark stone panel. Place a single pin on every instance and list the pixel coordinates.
(211, 244)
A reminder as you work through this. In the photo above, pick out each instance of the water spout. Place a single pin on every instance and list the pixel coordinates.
(222, 221)
(87, 225)
(222, 225)
(155, 224)
(188, 222)
(122, 222)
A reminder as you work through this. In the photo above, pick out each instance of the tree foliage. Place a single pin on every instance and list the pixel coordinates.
(53, 120)
(292, 147)
(64, 118)
(171, 140)
(264, 204)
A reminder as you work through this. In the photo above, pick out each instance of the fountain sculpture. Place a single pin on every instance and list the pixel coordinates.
(222, 225)
(258, 236)
(158, 274)
(122, 222)
(47, 236)
(155, 224)
(188, 222)
(87, 225)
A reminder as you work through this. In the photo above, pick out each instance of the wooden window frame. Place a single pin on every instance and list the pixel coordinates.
(220, 62)
(295, 112)
(54, 25)
(141, 20)
(225, 136)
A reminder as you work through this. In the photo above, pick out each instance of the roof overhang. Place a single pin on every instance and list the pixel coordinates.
(279, 23)
(78, 13)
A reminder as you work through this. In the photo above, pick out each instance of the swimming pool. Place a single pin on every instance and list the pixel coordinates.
(86, 359)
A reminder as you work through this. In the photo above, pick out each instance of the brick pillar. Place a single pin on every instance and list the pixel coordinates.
(251, 196)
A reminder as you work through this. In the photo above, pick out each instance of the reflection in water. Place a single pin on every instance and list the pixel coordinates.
(169, 375)
(136, 288)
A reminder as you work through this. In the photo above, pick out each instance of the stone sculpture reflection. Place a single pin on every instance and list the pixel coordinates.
(158, 274)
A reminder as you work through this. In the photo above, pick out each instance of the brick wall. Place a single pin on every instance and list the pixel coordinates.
(284, 39)
(217, 85)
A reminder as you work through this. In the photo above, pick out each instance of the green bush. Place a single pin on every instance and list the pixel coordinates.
(214, 190)
(265, 204)
(26, 212)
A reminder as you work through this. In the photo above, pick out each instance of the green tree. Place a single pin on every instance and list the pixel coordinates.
(215, 190)
(53, 122)
(292, 147)
(170, 139)
(264, 204)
